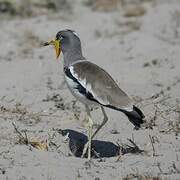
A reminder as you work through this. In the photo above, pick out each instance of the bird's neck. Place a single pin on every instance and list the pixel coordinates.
(72, 55)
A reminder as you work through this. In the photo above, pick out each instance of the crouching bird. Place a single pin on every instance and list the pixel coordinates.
(91, 84)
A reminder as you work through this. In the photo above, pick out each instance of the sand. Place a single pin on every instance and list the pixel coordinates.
(140, 51)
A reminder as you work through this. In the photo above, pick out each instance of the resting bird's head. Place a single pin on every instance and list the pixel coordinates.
(65, 41)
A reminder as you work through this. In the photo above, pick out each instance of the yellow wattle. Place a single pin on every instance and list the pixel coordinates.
(57, 48)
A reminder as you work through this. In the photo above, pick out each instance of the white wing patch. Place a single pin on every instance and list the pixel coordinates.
(83, 82)
(88, 87)
(129, 109)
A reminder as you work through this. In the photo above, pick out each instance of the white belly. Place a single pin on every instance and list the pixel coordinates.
(80, 97)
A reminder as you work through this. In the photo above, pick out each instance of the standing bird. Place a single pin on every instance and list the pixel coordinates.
(91, 84)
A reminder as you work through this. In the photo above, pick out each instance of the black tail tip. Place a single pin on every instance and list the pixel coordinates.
(139, 118)
(140, 113)
(136, 117)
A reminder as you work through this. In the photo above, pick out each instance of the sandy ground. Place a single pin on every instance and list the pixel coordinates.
(142, 55)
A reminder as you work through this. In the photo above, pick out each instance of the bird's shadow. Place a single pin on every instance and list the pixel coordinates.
(100, 149)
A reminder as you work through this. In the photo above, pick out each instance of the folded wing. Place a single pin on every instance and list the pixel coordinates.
(101, 85)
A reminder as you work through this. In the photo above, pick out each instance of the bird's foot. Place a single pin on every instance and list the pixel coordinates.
(85, 150)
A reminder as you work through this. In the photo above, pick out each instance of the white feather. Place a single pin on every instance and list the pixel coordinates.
(129, 109)
(88, 87)
(73, 87)
(75, 33)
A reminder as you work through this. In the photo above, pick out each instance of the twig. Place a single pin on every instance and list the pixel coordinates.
(17, 130)
(21, 137)
(34, 143)
(154, 154)
(175, 168)
(95, 153)
(155, 114)
(132, 142)
(4, 152)
(177, 158)
(24, 113)
(124, 149)
(159, 167)
(26, 137)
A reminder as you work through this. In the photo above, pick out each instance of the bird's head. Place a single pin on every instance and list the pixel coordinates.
(65, 40)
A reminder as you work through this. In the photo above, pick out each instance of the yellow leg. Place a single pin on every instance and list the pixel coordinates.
(102, 124)
(89, 137)
(88, 144)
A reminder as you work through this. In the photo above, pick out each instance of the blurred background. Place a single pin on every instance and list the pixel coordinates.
(30, 8)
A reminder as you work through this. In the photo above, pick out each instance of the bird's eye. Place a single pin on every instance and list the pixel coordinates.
(61, 37)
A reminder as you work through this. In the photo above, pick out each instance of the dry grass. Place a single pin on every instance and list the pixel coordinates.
(23, 139)
(21, 113)
(134, 10)
(141, 177)
(31, 8)
(103, 5)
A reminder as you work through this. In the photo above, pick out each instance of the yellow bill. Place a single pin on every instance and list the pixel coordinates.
(57, 46)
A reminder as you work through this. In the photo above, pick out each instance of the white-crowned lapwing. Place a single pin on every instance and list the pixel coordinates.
(91, 84)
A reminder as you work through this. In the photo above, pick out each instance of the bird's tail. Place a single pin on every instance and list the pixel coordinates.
(135, 117)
